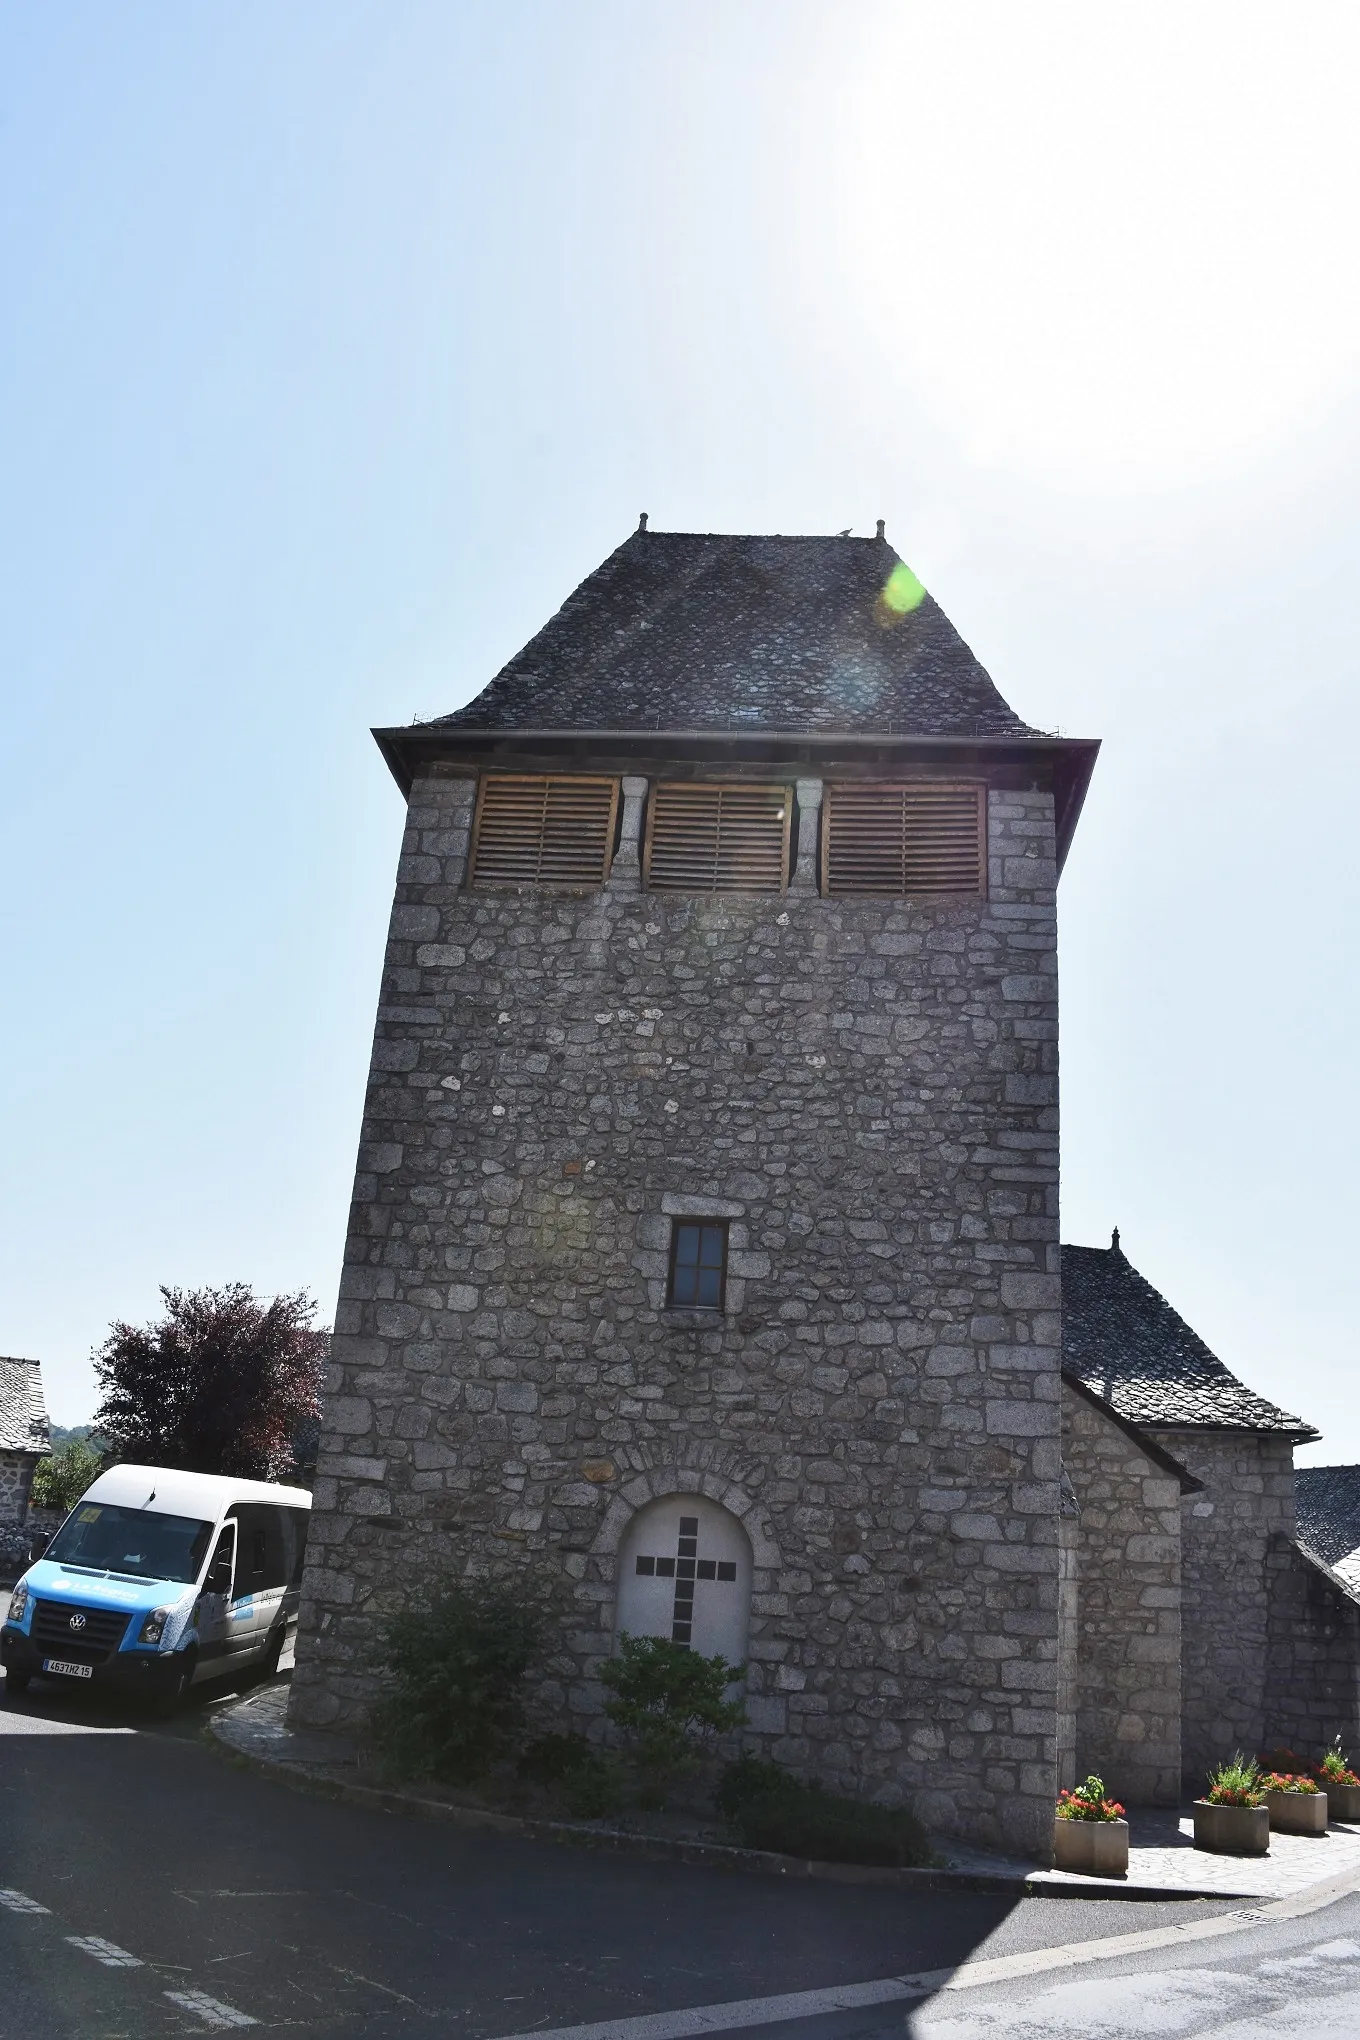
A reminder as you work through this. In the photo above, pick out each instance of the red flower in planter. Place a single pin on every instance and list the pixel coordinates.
(1087, 1802)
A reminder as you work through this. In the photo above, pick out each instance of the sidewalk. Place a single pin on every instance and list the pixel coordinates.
(1163, 1862)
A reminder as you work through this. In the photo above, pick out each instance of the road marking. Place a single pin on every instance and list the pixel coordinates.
(19, 1901)
(811, 2004)
(211, 2010)
(107, 1952)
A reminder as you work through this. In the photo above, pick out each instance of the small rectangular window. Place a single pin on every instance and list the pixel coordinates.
(904, 840)
(717, 839)
(698, 1265)
(530, 829)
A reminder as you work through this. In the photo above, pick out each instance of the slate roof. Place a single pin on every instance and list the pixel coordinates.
(1327, 1501)
(683, 630)
(1123, 1340)
(23, 1413)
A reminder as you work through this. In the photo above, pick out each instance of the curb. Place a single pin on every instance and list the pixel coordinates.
(713, 1855)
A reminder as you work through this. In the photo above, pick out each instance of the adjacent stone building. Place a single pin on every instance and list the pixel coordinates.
(1228, 1618)
(703, 1255)
(23, 1435)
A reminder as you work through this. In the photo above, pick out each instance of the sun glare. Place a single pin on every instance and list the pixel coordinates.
(1115, 240)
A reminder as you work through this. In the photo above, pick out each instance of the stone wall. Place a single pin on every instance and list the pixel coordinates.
(1069, 1637)
(870, 1089)
(1128, 1660)
(1313, 1672)
(1233, 1535)
(16, 1478)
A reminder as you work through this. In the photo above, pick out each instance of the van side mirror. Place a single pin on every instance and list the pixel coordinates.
(36, 1547)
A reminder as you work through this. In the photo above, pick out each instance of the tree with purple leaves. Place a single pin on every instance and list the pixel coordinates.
(219, 1384)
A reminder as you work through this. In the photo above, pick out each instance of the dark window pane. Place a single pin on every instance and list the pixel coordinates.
(707, 1569)
(680, 1632)
(699, 1253)
(727, 1570)
(666, 1568)
(646, 1565)
(689, 1526)
(684, 1568)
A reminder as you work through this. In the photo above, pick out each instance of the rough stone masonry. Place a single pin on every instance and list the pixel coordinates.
(863, 1088)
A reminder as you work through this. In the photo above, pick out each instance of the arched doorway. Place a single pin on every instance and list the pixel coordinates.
(685, 1572)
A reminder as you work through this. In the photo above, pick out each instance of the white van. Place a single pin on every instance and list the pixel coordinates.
(157, 1579)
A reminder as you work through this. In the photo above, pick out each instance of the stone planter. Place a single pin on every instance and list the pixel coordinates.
(1232, 1830)
(1298, 1813)
(1091, 1848)
(1343, 1802)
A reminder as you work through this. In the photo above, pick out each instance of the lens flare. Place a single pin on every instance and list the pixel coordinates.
(900, 594)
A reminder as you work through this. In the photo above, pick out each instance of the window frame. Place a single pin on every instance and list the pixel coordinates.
(832, 787)
(722, 1227)
(485, 780)
(659, 787)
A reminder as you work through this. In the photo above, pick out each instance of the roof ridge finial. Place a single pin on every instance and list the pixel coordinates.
(880, 527)
(642, 521)
(1114, 1241)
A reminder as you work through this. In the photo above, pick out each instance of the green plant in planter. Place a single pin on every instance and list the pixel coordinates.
(1237, 1782)
(1296, 1782)
(457, 1667)
(1335, 1768)
(1088, 1802)
(667, 1698)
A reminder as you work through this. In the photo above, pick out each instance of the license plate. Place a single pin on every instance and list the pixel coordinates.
(59, 1664)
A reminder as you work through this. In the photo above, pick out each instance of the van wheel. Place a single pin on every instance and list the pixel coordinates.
(171, 1698)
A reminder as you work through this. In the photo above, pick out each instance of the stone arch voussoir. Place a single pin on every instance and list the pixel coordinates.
(685, 1480)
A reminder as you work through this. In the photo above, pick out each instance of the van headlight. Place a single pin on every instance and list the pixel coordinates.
(153, 1628)
(18, 1603)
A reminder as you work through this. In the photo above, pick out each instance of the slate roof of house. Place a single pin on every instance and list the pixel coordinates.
(682, 630)
(1125, 1342)
(23, 1413)
(1327, 1501)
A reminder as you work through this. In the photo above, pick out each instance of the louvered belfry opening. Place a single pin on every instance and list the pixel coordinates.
(904, 839)
(718, 838)
(536, 829)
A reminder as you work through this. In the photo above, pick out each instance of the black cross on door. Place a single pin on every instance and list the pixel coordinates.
(685, 1568)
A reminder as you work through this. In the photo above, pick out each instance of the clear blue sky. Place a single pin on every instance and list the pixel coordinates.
(341, 340)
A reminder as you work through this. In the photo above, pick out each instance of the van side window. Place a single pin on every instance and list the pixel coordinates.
(295, 1523)
(260, 1557)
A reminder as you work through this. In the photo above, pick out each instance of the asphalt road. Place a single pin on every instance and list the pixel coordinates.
(148, 1887)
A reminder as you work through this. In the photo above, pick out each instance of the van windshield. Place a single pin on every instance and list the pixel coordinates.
(152, 1547)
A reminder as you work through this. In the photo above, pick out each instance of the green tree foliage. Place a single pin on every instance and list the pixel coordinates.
(667, 1697)
(60, 1480)
(458, 1677)
(217, 1385)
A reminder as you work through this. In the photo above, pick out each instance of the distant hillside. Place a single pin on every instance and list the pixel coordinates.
(62, 1434)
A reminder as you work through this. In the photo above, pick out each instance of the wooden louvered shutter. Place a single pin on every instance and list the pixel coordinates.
(718, 838)
(535, 830)
(901, 840)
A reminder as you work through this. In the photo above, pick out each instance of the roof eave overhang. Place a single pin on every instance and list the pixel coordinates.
(1158, 1454)
(1298, 1434)
(1063, 763)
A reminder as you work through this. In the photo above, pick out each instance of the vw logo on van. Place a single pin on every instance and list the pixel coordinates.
(77, 1622)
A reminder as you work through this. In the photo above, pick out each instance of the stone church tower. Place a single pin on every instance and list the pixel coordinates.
(704, 1244)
